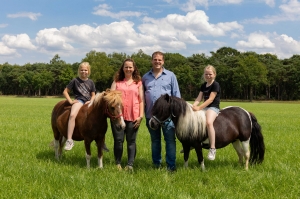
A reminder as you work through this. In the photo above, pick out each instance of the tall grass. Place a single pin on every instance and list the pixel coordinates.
(28, 168)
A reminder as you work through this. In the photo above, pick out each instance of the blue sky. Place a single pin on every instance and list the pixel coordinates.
(35, 30)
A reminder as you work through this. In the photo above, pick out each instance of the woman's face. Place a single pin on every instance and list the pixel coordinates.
(128, 68)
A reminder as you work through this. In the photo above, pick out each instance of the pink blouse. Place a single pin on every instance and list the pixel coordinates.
(130, 99)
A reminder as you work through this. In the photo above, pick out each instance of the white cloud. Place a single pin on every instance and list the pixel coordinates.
(231, 1)
(18, 41)
(30, 15)
(291, 8)
(168, 1)
(290, 11)
(256, 40)
(51, 39)
(172, 33)
(188, 27)
(282, 45)
(6, 51)
(192, 5)
(103, 10)
(270, 3)
(3, 25)
(286, 46)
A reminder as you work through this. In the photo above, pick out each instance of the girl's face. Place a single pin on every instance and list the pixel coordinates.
(209, 75)
(128, 68)
(84, 72)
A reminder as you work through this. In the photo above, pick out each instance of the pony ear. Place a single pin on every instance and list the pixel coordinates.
(167, 97)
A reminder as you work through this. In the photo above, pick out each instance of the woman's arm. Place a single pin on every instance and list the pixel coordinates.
(113, 86)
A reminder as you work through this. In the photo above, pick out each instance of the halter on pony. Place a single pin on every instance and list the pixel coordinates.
(166, 120)
(113, 117)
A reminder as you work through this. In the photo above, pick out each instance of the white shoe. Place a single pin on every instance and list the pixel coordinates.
(211, 154)
(69, 145)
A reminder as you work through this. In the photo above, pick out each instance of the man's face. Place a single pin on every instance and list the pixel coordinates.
(157, 62)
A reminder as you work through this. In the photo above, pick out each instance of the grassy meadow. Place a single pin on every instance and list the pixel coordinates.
(28, 168)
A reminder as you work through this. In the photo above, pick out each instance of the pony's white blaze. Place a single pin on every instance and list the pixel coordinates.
(123, 125)
(194, 122)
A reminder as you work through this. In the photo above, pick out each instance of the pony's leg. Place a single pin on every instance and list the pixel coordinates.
(237, 146)
(88, 160)
(246, 150)
(62, 142)
(56, 148)
(88, 155)
(198, 149)
(100, 144)
(186, 154)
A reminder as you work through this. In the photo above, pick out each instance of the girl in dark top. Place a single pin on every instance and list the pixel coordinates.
(84, 90)
(210, 93)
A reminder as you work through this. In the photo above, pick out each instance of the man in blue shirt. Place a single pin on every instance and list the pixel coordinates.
(156, 82)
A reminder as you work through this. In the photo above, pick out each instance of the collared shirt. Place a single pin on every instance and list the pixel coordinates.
(130, 99)
(166, 83)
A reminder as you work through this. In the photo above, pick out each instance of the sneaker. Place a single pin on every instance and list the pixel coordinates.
(211, 154)
(171, 170)
(69, 145)
(119, 167)
(129, 168)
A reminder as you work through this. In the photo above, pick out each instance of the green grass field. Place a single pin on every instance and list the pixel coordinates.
(28, 168)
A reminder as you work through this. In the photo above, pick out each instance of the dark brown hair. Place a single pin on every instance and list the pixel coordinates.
(120, 75)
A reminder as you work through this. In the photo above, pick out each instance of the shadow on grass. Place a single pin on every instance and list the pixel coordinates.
(73, 158)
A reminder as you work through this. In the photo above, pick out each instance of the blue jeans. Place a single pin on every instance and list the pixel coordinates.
(168, 130)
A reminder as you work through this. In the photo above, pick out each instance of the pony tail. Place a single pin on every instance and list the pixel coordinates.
(257, 145)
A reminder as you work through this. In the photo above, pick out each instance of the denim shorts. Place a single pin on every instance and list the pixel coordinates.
(82, 102)
(212, 108)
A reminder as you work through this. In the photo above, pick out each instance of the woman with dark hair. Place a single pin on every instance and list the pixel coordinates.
(128, 80)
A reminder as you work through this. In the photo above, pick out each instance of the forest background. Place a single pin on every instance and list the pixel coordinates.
(242, 75)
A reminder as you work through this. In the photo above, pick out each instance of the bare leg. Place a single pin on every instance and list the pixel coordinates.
(210, 118)
(71, 125)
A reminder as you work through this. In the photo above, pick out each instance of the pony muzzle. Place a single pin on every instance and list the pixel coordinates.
(154, 124)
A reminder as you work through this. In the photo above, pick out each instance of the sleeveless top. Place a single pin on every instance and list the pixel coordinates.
(130, 99)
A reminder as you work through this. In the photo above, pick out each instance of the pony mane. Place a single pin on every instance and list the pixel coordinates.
(97, 99)
(191, 124)
(113, 98)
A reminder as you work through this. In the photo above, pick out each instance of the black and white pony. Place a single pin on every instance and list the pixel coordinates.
(233, 125)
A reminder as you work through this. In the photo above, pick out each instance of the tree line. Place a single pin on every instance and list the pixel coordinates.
(242, 75)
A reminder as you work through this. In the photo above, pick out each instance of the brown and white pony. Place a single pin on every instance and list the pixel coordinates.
(90, 123)
(233, 125)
